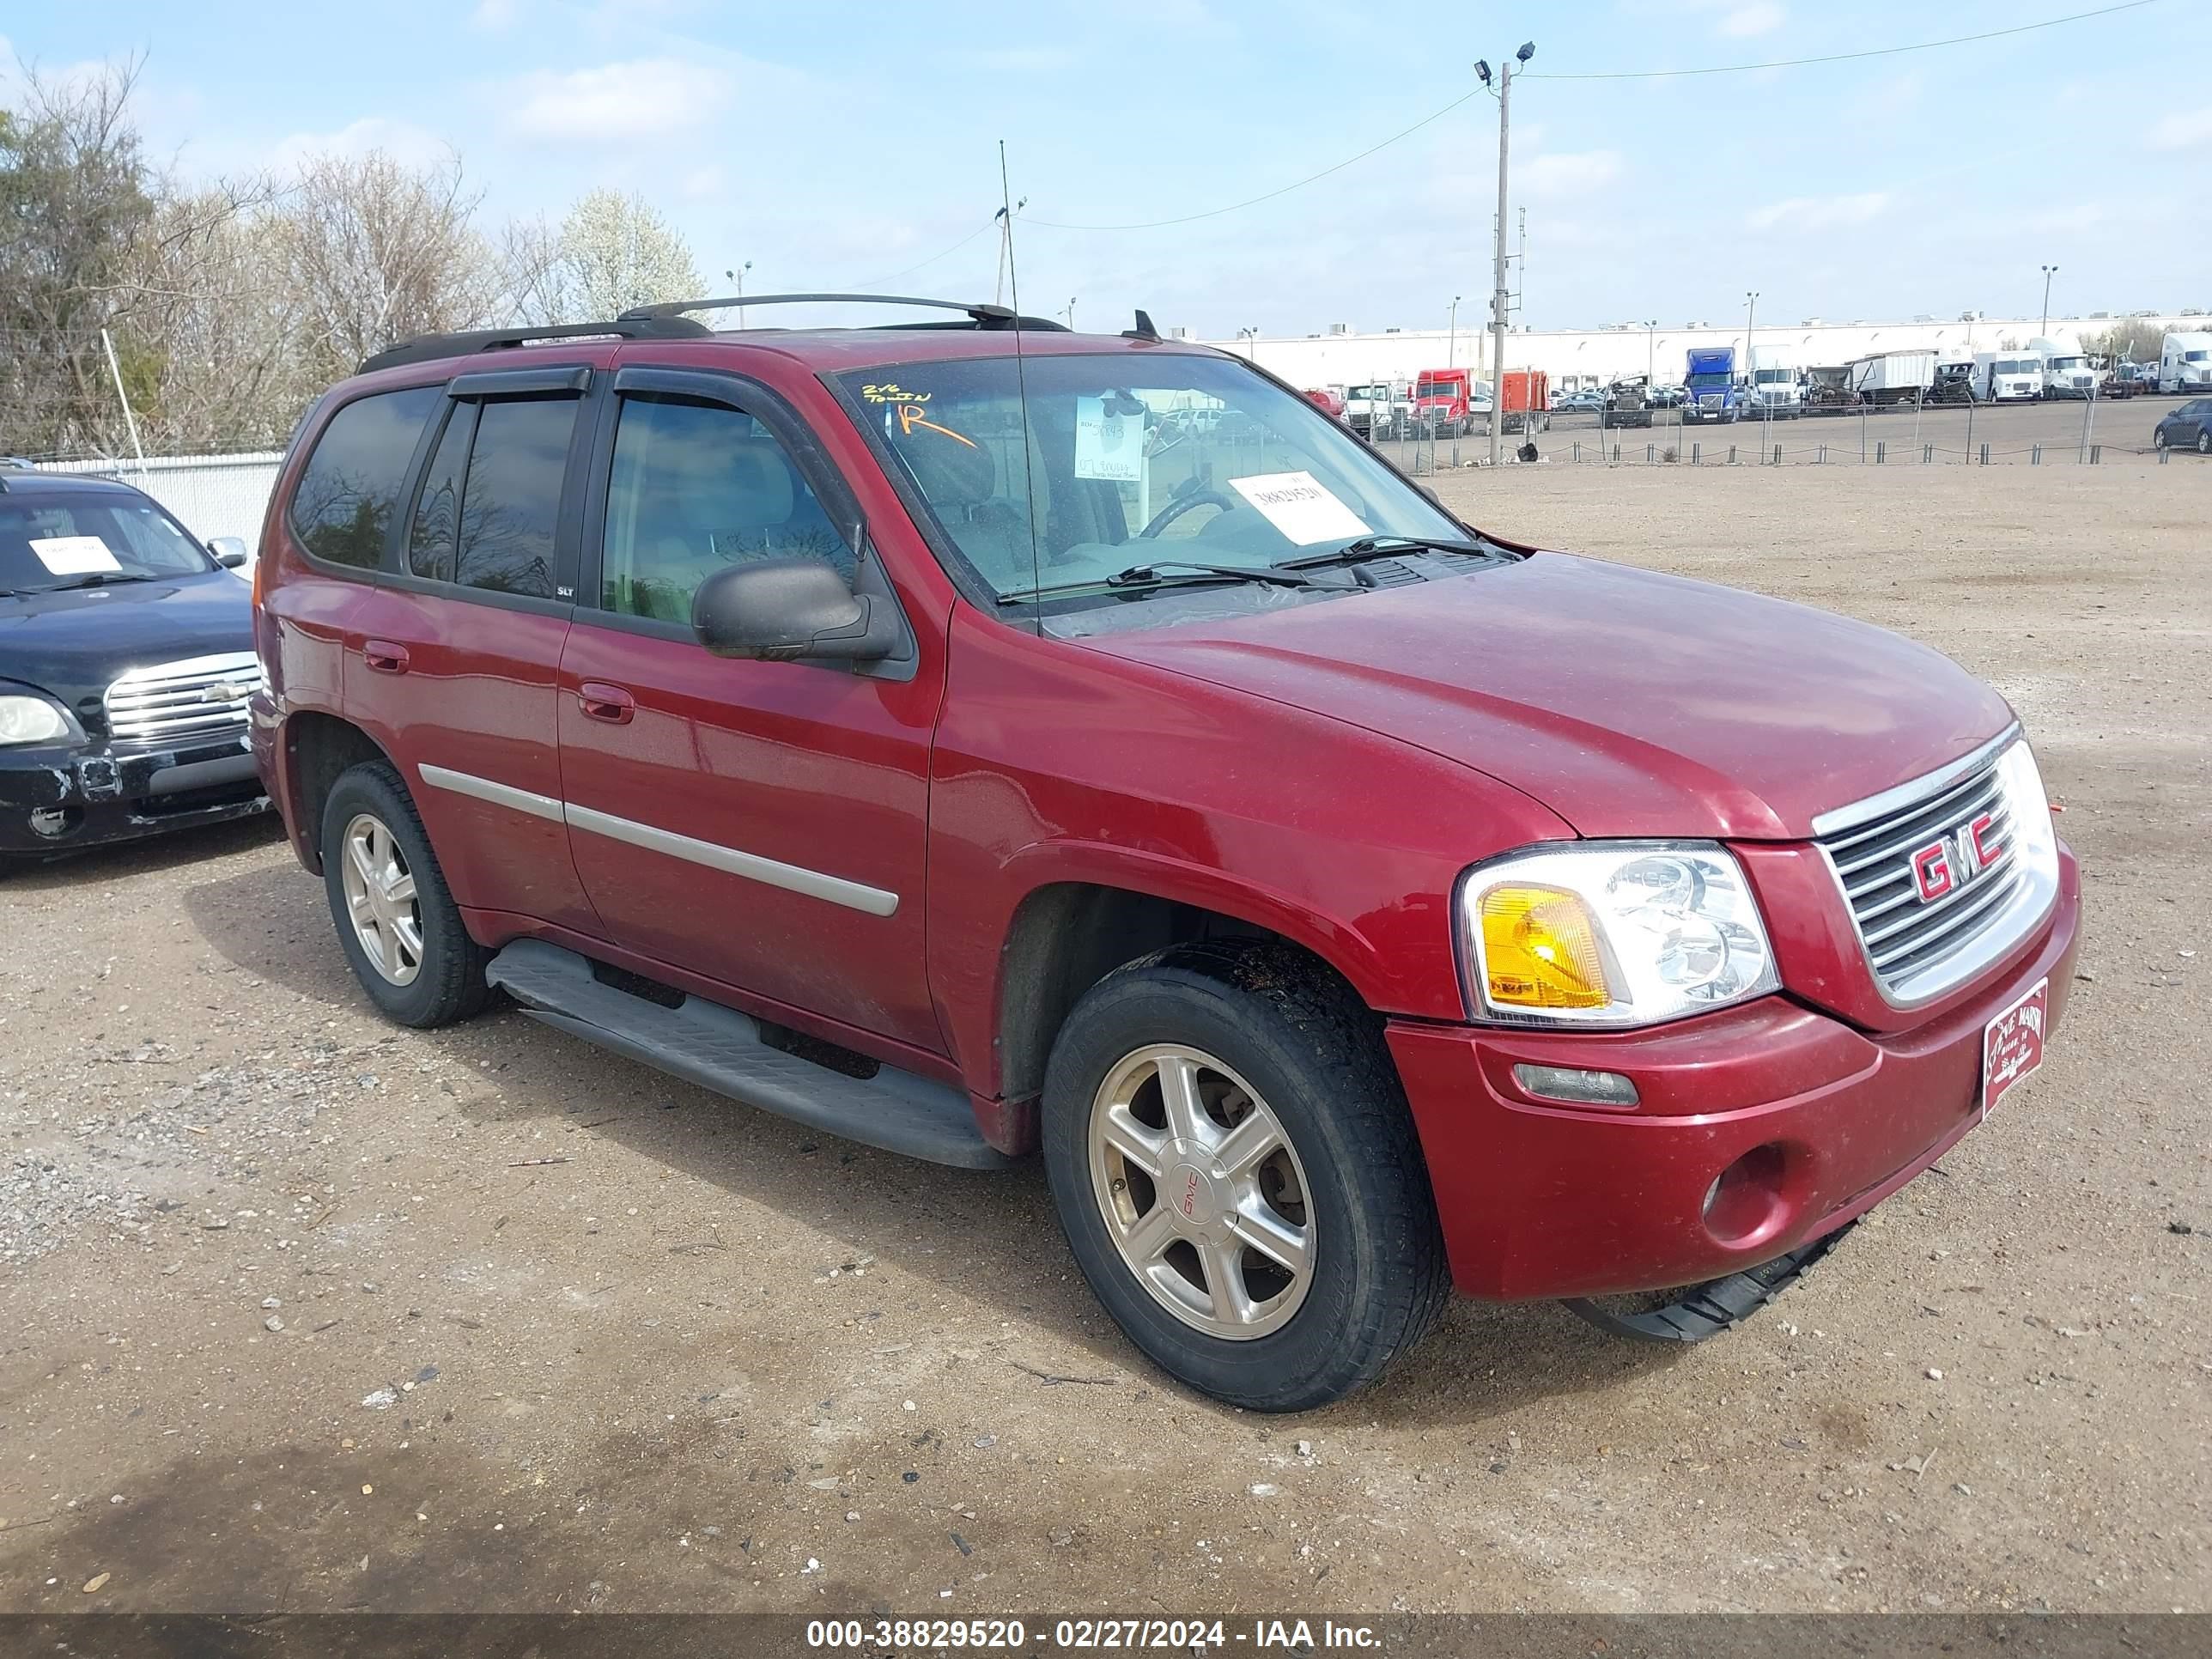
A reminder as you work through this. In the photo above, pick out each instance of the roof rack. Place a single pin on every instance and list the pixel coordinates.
(979, 315)
(428, 348)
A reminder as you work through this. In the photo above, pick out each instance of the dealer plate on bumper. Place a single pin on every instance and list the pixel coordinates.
(2012, 1044)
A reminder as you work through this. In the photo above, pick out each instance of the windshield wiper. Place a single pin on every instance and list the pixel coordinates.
(1145, 578)
(99, 578)
(1380, 547)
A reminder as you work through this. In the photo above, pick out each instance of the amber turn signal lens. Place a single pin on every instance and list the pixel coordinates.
(1540, 950)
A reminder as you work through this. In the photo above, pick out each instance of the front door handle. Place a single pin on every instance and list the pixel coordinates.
(385, 656)
(606, 703)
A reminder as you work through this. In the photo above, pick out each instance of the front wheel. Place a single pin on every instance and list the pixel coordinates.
(2204, 440)
(1237, 1174)
(397, 921)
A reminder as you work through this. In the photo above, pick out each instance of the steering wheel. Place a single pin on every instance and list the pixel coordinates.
(1175, 509)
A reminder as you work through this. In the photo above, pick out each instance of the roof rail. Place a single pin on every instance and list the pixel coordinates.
(979, 315)
(428, 348)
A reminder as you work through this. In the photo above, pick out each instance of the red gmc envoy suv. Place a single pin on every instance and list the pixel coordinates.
(972, 739)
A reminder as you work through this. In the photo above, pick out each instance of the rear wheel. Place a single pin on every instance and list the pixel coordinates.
(395, 918)
(2204, 439)
(1237, 1174)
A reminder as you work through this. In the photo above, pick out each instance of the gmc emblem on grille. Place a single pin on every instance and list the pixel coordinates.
(1951, 861)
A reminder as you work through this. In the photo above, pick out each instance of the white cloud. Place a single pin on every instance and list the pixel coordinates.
(495, 17)
(1819, 212)
(1013, 60)
(402, 141)
(1569, 172)
(645, 98)
(1761, 17)
(2183, 131)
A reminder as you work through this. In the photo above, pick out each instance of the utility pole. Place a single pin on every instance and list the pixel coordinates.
(1750, 311)
(1498, 296)
(2049, 271)
(738, 277)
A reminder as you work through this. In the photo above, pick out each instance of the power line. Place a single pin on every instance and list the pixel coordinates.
(1215, 213)
(1846, 57)
(879, 282)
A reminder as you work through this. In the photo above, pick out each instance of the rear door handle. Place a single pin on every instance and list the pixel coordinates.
(606, 703)
(384, 656)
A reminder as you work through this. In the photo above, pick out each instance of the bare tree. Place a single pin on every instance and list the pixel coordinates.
(2131, 340)
(74, 199)
(369, 250)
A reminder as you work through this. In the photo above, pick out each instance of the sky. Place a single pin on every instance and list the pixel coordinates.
(839, 146)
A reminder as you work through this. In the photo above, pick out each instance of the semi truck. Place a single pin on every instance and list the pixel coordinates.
(1955, 380)
(1626, 402)
(1778, 389)
(1710, 390)
(2185, 362)
(1446, 400)
(1377, 409)
(1884, 378)
(2066, 370)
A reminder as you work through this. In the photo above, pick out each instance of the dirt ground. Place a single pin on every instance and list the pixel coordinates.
(304, 1312)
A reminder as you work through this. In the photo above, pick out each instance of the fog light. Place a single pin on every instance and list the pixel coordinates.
(1583, 1088)
(53, 820)
(1744, 1202)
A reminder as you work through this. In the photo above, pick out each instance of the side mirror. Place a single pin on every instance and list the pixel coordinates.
(229, 551)
(783, 610)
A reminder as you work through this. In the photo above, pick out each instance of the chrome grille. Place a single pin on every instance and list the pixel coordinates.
(197, 698)
(1919, 950)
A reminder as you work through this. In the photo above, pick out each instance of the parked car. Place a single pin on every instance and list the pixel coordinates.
(126, 658)
(847, 721)
(2186, 426)
(1586, 397)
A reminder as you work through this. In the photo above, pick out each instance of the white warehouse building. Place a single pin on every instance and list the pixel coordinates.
(1586, 357)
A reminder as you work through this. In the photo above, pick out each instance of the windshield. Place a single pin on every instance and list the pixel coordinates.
(2018, 365)
(2068, 362)
(1372, 393)
(1436, 389)
(1774, 376)
(2196, 356)
(1122, 471)
(48, 542)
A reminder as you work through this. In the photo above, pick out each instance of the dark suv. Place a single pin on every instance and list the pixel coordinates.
(126, 657)
(977, 738)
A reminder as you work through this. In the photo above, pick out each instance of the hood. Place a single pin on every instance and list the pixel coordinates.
(1630, 703)
(71, 644)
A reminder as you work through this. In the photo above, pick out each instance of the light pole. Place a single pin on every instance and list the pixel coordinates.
(1451, 346)
(1498, 296)
(2049, 271)
(738, 277)
(1249, 336)
(1750, 311)
(1071, 313)
(1651, 364)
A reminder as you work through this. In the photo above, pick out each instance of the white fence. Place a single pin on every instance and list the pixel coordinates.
(213, 494)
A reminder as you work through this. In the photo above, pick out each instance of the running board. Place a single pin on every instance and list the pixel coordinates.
(1716, 1305)
(720, 1048)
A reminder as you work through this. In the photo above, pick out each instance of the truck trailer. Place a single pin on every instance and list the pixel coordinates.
(1884, 378)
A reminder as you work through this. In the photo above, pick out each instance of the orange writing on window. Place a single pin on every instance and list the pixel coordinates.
(910, 416)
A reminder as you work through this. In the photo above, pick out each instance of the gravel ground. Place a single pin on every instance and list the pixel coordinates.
(312, 1313)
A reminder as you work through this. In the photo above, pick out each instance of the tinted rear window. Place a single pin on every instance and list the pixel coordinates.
(513, 497)
(350, 489)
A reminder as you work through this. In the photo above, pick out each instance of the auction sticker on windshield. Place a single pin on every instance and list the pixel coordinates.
(1297, 504)
(1109, 440)
(73, 555)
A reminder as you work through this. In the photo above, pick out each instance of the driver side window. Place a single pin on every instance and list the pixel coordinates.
(696, 488)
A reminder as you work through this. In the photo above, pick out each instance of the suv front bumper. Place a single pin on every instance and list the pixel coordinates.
(61, 797)
(1539, 1199)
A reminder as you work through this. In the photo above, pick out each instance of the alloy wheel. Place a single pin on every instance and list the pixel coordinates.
(1201, 1191)
(379, 896)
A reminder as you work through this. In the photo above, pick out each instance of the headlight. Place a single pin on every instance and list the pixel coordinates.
(31, 720)
(1612, 934)
(2034, 838)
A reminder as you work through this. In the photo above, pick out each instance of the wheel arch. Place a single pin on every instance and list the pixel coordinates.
(319, 749)
(1066, 934)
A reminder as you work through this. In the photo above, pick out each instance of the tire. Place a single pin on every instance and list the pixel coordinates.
(2204, 440)
(445, 980)
(1271, 1041)
(2158, 438)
